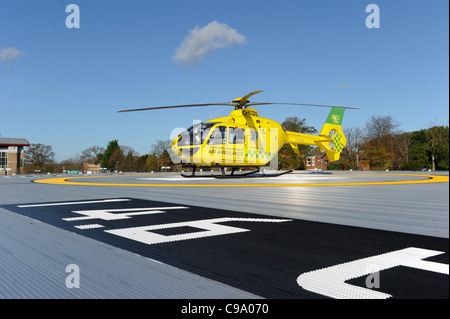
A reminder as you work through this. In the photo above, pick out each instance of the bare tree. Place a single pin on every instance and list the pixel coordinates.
(159, 147)
(73, 163)
(401, 147)
(355, 141)
(127, 149)
(381, 126)
(92, 153)
(380, 132)
(355, 138)
(39, 154)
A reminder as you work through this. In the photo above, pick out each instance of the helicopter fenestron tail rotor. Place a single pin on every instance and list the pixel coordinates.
(239, 103)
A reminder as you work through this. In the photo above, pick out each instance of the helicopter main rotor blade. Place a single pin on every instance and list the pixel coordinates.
(175, 106)
(244, 100)
(319, 105)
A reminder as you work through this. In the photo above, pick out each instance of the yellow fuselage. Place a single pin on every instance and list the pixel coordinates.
(240, 139)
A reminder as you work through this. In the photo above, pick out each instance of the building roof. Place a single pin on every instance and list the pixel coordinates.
(13, 142)
(317, 153)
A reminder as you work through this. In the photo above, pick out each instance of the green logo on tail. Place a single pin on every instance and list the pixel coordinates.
(335, 117)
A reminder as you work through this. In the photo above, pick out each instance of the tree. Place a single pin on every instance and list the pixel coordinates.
(110, 150)
(402, 149)
(129, 162)
(417, 152)
(350, 156)
(294, 124)
(379, 127)
(117, 160)
(287, 158)
(379, 158)
(151, 163)
(140, 163)
(160, 152)
(127, 149)
(39, 154)
(438, 147)
(164, 159)
(92, 154)
(426, 145)
(159, 147)
(380, 132)
(73, 163)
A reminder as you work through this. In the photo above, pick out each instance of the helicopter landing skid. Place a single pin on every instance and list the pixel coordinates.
(250, 175)
(195, 176)
(220, 176)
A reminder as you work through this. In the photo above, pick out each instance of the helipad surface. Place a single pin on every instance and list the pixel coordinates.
(164, 236)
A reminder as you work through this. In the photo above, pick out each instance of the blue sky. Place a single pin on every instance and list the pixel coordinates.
(63, 87)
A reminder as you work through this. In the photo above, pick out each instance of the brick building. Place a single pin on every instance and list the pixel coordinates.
(11, 155)
(89, 168)
(318, 160)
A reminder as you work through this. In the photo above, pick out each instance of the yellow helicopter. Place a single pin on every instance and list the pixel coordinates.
(243, 139)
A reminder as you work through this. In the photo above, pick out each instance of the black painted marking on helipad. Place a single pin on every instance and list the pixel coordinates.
(266, 260)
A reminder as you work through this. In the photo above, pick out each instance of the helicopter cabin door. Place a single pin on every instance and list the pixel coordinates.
(216, 146)
(234, 152)
(251, 146)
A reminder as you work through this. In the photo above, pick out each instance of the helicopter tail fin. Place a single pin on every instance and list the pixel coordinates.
(332, 139)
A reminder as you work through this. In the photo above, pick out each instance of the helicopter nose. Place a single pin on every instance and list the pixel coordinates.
(175, 153)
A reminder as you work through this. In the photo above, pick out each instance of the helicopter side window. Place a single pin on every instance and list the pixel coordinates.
(253, 136)
(195, 135)
(218, 136)
(236, 136)
(184, 139)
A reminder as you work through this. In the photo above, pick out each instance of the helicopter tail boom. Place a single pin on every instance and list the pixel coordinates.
(331, 138)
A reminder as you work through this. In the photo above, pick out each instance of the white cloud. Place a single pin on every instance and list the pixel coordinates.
(344, 85)
(9, 55)
(201, 41)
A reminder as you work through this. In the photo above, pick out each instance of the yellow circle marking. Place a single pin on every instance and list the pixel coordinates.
(424, 180)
